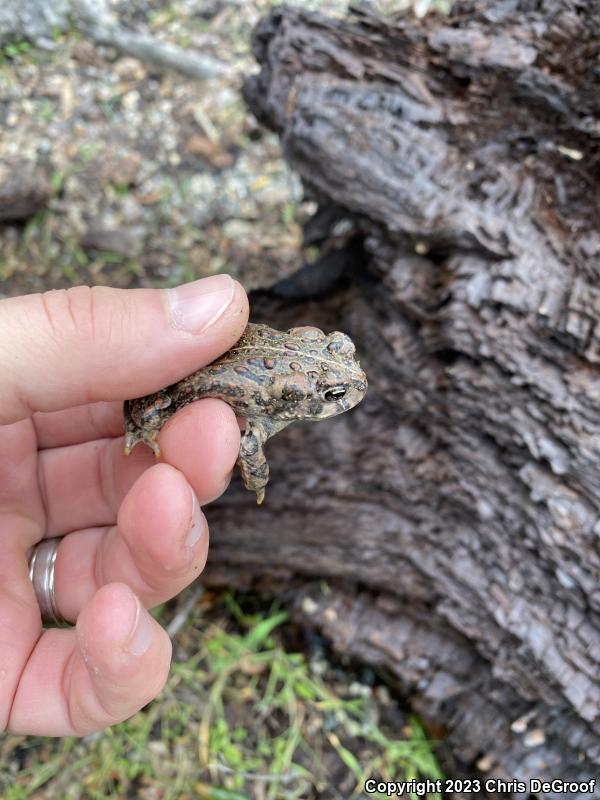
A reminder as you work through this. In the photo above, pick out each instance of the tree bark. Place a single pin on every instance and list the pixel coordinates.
(455, 513)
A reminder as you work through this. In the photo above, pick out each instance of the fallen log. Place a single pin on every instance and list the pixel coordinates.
(454, 515)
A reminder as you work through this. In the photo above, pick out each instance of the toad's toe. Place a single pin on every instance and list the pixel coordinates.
(135, 437)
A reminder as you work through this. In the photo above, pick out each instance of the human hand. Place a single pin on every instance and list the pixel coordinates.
(134, 534)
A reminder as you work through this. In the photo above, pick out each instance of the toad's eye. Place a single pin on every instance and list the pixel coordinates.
(331, 395)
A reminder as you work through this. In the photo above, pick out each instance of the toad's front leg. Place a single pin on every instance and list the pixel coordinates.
(252, 461)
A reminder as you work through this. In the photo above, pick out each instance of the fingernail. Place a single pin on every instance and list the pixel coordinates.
(197, 526)
(143, 633)
(195, 306)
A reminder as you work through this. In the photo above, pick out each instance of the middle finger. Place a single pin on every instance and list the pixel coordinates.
(84, 484)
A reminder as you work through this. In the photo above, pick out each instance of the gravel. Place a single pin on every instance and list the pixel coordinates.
(146, 176)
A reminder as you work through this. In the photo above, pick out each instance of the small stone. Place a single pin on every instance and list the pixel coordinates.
(131, 100)
(309, 606)
(534, 738)
(127, 242)
(520, 725)
(129, 69)
(121, 169)
(85, 52)
(24, 189)
(485, 763)
(131, 209)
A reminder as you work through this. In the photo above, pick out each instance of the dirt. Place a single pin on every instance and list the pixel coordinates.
(142, 177)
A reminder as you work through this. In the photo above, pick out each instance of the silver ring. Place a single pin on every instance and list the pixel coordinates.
(42, 558)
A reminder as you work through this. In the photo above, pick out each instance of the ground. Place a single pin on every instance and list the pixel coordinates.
(154, 178)
(254, 708)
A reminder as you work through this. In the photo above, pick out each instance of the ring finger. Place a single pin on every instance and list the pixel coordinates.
(159, 545)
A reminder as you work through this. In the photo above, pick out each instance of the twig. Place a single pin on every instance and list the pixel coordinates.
(95, 20)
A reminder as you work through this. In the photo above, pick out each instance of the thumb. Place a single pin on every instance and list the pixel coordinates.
(68, 347)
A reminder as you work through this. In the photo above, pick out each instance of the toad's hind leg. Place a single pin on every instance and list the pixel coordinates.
(134, 434)
(251, 460)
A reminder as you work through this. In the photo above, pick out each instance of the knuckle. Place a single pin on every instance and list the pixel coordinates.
(70, 311)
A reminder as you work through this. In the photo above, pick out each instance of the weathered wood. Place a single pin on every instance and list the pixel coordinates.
(455, 513)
